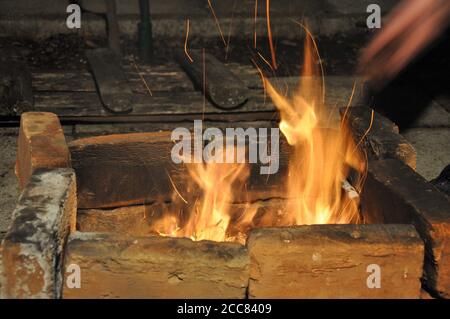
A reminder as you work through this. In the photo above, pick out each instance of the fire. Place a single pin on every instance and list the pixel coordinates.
(211, 208)
(317, 188)
(322, 157)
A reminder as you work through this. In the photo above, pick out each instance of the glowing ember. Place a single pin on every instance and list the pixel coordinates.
(317, 190)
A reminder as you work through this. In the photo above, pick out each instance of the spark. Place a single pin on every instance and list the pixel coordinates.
(263, 79)
(344, 116)
(256, 18)
(217, 22)
(367, 131)
(230, 28)
(265, 61)
(186, 42)
(175, 188)
(204, 82)
(142, 77)
(269, 31)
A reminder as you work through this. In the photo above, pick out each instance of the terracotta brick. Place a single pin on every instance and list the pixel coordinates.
(32, 248)
(41, 144)
(330, 261)
(117, 266)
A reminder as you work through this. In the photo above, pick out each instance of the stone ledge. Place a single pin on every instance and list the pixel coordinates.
(33, 245)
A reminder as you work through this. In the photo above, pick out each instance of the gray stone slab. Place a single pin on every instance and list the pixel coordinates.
(432, 147)
(434, 115)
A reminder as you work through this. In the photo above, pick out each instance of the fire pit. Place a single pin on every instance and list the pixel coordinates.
(95, 220)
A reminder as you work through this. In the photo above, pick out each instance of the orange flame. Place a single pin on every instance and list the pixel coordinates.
(212, 210)
(321, 157)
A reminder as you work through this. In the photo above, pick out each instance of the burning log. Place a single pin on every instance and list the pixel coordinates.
(115, 266)
(380, 136)
(393, 186)
(333, 261)
(41, 144)
(128, 169)
(32, 248)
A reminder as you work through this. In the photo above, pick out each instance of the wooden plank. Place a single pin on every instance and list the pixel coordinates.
(223, 88)
(16, 94)
(383, 139)
(70, 103)
(63, 80)
(112, 84)
(392, 186)
(88, 104)
(125, 169)
(163, 80)
(41, 144)
(115, 266)
(168, 67)
(32, 248)
(246, 73)
(159, 79)
(181, 102)
(158, 83)
(80, 81)
(332, 261)
(167, 77)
